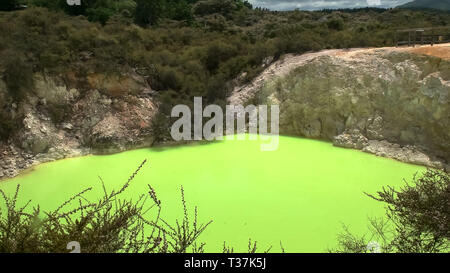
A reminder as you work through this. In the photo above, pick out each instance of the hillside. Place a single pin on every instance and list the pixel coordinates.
(430, 4)
(75, 85)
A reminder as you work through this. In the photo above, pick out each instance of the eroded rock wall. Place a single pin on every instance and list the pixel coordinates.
(58, 119)
(384, 101)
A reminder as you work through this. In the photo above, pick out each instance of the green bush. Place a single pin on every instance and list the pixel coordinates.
(58, 113)
(7, 125)
(7, 5)
(336, 24)
(178, 10)
(109, 225)
(206, 7)
(170, 78)
(148, 12)
(418, 218)
(18, 75)
(216, 53)
(100, 14)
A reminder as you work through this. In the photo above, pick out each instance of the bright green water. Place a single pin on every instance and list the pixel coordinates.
(300, 194)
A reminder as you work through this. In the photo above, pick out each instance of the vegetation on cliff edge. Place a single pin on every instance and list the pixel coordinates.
(188, 48)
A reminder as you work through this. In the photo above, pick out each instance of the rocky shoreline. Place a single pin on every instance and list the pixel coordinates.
(14, 161)
(408, 154)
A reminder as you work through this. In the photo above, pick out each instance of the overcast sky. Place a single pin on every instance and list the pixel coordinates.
(324, 4)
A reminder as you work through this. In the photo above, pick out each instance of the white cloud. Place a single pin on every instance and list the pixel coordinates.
(324, 4)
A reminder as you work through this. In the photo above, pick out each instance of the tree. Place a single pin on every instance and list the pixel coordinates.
(7, 125)
(18, 75)
(7, 5)
(160, 127)
(336, 24)
(223, 7)
(99, 14)
(178, 10)
(148, 12)
(418, 218)
(248, 5)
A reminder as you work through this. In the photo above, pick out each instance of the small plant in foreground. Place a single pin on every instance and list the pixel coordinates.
(418, 219)
(109, 225)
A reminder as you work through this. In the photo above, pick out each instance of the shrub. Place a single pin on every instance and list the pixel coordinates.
(7, 125)
(217, 53)
(18, 75)
(147, 12)
(170, 78)
(107, 226)
(418, 218)
(216, 89)
(58, 113)
(160, 125)
(8, 5)
(178, 10)
(99, 14)
(206, 7)
(336, 24)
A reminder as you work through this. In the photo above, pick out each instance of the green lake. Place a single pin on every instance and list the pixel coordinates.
(300, 194)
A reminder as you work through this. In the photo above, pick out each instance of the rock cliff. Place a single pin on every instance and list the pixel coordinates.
(391, 102)
(68, 116)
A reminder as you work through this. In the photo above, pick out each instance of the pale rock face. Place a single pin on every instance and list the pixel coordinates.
(434, 87)
(107, 133)
(374, 128)
(35, 136)
(113, 118)
(352, 139)
(50, 92)
(356, 97)
(404, 154)
(117, 85)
